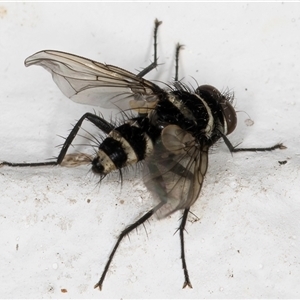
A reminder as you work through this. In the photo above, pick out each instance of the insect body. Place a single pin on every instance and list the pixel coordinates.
(171, 130)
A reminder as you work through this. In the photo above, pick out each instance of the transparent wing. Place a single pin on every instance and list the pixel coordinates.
(89, 82)
(175, 172)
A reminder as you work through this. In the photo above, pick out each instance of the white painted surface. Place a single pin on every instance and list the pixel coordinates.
(247, 241)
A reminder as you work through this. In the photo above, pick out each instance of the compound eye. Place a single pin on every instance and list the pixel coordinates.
(208, 90)
(229, 116)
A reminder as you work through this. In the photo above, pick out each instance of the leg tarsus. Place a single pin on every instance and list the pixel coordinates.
(178, 48)
(235, 149)
(38, 164)
(187, 281)
(154, 64)
(125, 232)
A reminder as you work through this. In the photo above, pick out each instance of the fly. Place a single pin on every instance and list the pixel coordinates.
(170, 130)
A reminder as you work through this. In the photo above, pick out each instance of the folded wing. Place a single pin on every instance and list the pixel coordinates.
(175, 172)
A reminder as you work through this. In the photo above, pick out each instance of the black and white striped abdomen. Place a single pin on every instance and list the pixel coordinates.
(125, 145)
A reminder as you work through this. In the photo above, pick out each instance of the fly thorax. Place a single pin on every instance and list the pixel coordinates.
(194, 114)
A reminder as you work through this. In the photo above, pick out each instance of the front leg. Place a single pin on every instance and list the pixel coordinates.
(235, 149)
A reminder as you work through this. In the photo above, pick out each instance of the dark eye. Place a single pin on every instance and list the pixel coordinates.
(229, 116)
(208, 91)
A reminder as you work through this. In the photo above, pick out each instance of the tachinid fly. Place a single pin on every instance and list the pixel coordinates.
(170, 130)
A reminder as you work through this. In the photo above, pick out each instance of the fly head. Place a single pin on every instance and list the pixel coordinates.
(221, 107)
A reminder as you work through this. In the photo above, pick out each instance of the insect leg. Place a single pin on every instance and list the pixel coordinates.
(96, 120)
(181, 233)
(178, 47)
(121, 236)
(154, 64)
(235, 149)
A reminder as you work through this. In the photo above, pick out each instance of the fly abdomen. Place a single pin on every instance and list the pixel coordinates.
(125, 145)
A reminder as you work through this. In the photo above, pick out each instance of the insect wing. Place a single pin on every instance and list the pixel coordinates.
(89, 82)
(176, 170)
